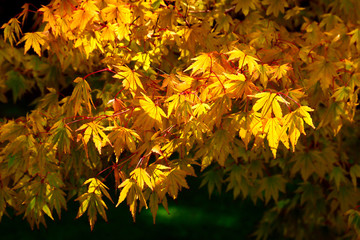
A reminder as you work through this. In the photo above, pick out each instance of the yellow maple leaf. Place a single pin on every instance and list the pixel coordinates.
(9, 28)
(151, 110)
(141, 177)
(269, 103)
(273, 130)
(98, 136)
(244, 59)
(202, 63)
(34, 40)
(119, 12)
(131, 78)
(238, 86)
(122, 137)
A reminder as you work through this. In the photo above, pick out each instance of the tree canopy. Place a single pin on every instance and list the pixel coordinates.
(262, 95)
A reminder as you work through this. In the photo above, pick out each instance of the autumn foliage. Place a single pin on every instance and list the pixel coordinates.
(261, 94)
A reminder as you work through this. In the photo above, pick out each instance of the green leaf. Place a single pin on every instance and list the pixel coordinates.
(354, 174)
(338, 176)
(16, 82)
(272, 186)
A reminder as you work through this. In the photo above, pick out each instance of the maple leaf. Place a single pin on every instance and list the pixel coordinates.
(82, 16)
(154, 204)
(212, 179)
(81, 94)
(355, 38)
(120, 13)
(48, 16)
(294, 123)
(131, 78)
(202, 63)
(122, 137)
(238, 86)
(272, 186)
(263, 71)
(269, 104)
(245, 6)
(248, 124)
(237, 180)
(93, 204)
(108, 33)
(200, 109)
(273, 130)
(293, 12)
(151, 110)
(61, 136)
(308, 163)
(275, 6)
(34, 40)
(141, 177)
(324, 71)
(11, 27)
(338, 176)
(175, 180)
(280, 71)
(354, 174)
(17, 83)
(132, 192)
(342, 93)
(244, 59)
(354, 219)
(98, 136)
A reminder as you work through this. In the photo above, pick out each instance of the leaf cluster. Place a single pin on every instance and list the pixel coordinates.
(261, 94)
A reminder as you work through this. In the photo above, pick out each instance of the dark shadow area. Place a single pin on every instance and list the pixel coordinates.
(192, 216)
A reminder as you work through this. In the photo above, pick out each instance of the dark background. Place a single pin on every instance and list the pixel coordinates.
(192, 216)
